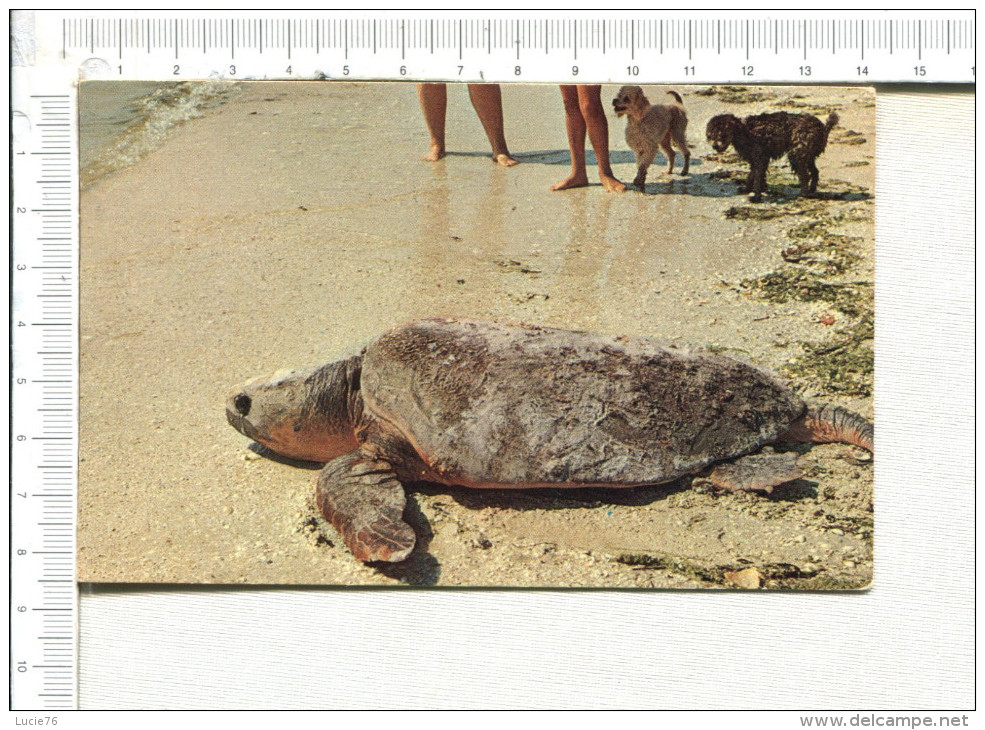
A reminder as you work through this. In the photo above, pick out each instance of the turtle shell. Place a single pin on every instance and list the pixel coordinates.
(494, 405)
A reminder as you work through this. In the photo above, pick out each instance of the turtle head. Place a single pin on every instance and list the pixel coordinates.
(300, 414)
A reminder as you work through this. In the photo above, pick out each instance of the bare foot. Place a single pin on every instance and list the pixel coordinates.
(505, 160)
(612, 185)
(575, 180)
(434, 154)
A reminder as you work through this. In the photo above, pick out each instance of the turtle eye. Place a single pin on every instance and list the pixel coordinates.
(242, 403)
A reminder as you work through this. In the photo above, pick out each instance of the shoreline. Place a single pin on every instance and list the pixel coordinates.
(148, 118)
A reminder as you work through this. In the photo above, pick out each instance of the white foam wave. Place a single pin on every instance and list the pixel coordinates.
(157, 116)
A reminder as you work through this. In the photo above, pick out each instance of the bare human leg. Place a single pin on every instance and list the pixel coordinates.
(434, 102)
(590, 104)
(487, 99)
(575, 125)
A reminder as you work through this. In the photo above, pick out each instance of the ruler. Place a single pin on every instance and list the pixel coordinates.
(52, 50)
(666, 47)
(44, 403)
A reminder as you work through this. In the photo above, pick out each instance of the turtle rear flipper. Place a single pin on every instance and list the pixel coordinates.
(364, 502)
(757, 472)
(824, 423)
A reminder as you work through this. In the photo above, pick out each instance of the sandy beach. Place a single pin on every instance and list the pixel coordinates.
(293, 222)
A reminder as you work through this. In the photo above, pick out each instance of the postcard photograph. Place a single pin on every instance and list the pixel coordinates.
(391, 334)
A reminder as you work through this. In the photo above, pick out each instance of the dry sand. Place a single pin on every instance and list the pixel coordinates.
(296, 221)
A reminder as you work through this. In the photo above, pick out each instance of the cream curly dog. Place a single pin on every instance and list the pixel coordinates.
(651, 127)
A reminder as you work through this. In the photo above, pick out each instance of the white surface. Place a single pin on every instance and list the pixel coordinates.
(906, 643)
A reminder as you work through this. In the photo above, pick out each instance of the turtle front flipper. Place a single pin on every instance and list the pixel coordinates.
(364, 502)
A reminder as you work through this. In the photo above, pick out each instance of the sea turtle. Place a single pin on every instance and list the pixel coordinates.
(487, 405)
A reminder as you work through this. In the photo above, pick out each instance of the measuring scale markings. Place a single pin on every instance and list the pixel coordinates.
(43, 408)
(870, 47)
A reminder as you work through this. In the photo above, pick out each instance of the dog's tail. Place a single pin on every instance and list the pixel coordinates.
(677, 97)
(828, 125)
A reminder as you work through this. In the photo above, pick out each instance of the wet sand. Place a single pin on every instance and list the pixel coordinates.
(296, 221)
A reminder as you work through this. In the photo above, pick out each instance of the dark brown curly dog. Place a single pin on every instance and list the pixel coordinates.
(764, 137)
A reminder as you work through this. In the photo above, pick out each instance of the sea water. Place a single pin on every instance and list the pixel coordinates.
(121, 121)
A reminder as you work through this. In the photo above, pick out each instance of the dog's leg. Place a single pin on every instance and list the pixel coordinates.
(751, 177)
(807, 173)
(814, 176)
(759, 165)
(761, 179)
(668, 151)
(680, 140)
(643, 162)
(801, 168)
